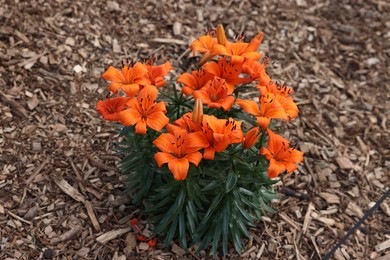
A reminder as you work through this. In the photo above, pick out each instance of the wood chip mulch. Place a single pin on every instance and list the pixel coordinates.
(61, 196)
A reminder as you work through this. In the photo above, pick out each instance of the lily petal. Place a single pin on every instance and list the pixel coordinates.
(249, 106)
(129, 117)
(275, 168)
(162, 158)
(179, 168)
(140, 127)
(157, 120)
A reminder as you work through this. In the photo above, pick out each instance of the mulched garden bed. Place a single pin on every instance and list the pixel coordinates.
(61, 195)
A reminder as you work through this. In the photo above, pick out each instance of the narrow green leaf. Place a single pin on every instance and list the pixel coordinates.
(212, 185)
(213, 206)
(242, 227)
(171, 232)
(245, 191)
(216, 236)
(191, 223)
(182, 230)
(230, 181)
(236, 238)
(164, 221)
(164, 193)
(225, 231)
(157, 207)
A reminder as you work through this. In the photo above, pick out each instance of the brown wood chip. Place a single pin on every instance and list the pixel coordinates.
(112, 235)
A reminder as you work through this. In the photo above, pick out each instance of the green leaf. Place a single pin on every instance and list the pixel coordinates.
(250, 204)
(191, 210)
(164, 221)
(205, 241)
(182, 230)
(221, 157)
(212, 185)
(172, 212)
(236, 238)
(237, 203)
(166, 190)
(213, 206)
(242, 227)
(195, 194)
(171, 232)
(217, 236)
(245, 191)
(225, 231)
(145, 188)
(230, 181)
(191, 223)
(157, 207)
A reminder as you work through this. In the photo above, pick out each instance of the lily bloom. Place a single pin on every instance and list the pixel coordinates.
(257, 71)
(282, 95)
(274, 88)
(269, 108)
(110, 108)
(175, 151)
(194, 81)
(128, 79)
(156, 74)
(218, 134)
(251, 138)
(144, 111)
(204, 44)
(228, 70)
(238, 51)
(184, 123)
(281, 157)
(215, 94)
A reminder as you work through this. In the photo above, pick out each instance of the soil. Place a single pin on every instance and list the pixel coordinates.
(61, 196)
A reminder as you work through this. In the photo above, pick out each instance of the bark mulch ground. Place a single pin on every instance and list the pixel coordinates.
(61, 195)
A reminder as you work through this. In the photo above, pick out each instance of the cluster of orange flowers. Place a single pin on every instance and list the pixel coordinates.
(213, 84)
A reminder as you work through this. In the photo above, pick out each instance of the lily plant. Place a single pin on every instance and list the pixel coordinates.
(201, 158)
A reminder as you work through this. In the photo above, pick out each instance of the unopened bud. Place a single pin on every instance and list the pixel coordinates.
(221, 37)
(197, 114)
(251, 138)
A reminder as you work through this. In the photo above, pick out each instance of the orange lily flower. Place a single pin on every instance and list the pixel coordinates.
(204, 44)
(228, 70)
(184, 123)
(143, 111)
(238, 51)
(282, 95)
(175, 151)
(156, 74)
(274, 88)
(194, 81)
(218, 134)
(269, 108)
(215, 94)
(251, 138)
(257, 71)
(281, 157)
(128, 79)
(110, 108)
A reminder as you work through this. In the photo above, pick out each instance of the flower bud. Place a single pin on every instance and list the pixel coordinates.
(221, 37)
(197, 114)
(251, 138)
